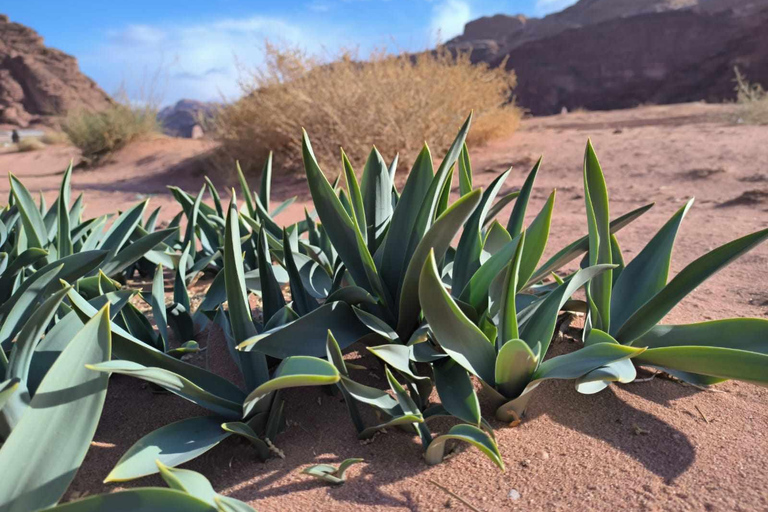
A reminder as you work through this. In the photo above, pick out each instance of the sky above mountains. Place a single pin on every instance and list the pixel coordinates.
(171, 49)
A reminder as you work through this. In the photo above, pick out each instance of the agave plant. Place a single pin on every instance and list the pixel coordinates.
(629, 304)
(255, 414)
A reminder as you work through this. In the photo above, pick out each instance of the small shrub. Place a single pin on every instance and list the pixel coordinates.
(55, 138)
(97, 134)
(393, 101)
(30, 144)
(752, 100)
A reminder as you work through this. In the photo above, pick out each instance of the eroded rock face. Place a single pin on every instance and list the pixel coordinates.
(37, 82)
(606, 54)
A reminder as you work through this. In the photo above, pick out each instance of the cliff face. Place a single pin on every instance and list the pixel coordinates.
(37, 82)
(606, 54)
(183, 119)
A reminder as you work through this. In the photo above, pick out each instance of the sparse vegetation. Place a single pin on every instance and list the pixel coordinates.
(752, 100)
(393, 101)
(30, 144)
(53, 138)
(372, 269)
(98, 134)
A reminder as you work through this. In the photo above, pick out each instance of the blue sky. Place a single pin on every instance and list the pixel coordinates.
(197, 44)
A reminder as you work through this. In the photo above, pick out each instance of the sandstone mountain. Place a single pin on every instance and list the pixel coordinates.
(606, 54)
(38, 83)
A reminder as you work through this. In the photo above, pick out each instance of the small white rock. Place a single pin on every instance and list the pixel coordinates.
(514, 495)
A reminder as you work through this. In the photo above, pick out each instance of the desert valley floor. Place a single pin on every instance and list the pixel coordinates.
(653, 445)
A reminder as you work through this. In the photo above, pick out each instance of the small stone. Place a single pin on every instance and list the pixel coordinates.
(514, 495)
(545, 455)
(525, 463)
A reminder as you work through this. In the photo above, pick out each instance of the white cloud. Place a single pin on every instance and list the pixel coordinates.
(544, 7)
(449, 18)
(197, 60)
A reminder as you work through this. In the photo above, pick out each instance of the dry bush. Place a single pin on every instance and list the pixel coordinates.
(55, 138)
(752, 100)
(98, 134)
(395, 102)
(29, 144)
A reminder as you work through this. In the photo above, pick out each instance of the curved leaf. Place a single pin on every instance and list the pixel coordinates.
(469, 434)
(455, 333)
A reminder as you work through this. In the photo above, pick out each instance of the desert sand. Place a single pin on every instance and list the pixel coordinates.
(652, 445)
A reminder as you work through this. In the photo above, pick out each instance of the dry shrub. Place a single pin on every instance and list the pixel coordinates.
(395, 102)
(55, 138)
(100, 133)
(752, 100)
(29, 144)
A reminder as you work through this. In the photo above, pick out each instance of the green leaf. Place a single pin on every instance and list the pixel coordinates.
(582, 361)
(127, 347)
(467, 259)
(64, 242)
(405, 419)
(456, 334)
(395, 252)
(540, 326)
(469, 434)
(296, 371)
(456, 391)
(22, 303)
(243, 430)
(157, 302)
(574, 249)
(246, 190)
(508, 327)
(135, 251)
(465, 171)
(647, 273)
(172, 445)
(148, 499)
(189, 482)
(174, 383)
(596, 198)
(376, 190)
(30, 336)
(536, 237)
(684, 283)
(341, 229)
(302, 300)
(306, 336)
(436, 240)
(750, 334)
(720, 362)
(31, 219)
(515, 364)
(237, 295)
(331, 474)
(271, 293)
(475, 293)
(355, 196)
(70, 396)
(265, 191)
(517, 217)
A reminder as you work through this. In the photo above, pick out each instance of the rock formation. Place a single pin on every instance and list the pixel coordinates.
(184, 118)
(38, 83)
(606, 54)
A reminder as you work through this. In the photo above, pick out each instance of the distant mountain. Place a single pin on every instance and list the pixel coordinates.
(606, 54)
(184, 118)
(38, 83)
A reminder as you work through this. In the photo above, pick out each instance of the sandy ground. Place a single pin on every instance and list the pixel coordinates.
(655, 445)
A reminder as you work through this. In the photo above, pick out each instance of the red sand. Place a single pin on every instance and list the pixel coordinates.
(655, 445)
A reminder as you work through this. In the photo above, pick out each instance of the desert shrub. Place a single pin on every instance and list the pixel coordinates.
(393, 101)
(30, 144)
(752, 100)
(55, 138)
(97, 134)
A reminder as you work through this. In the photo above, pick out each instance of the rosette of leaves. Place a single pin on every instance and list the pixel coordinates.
(629, 304)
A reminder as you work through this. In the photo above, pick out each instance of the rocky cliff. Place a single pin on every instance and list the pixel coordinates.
(186, 118)
(606, 54)
(38, 83)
